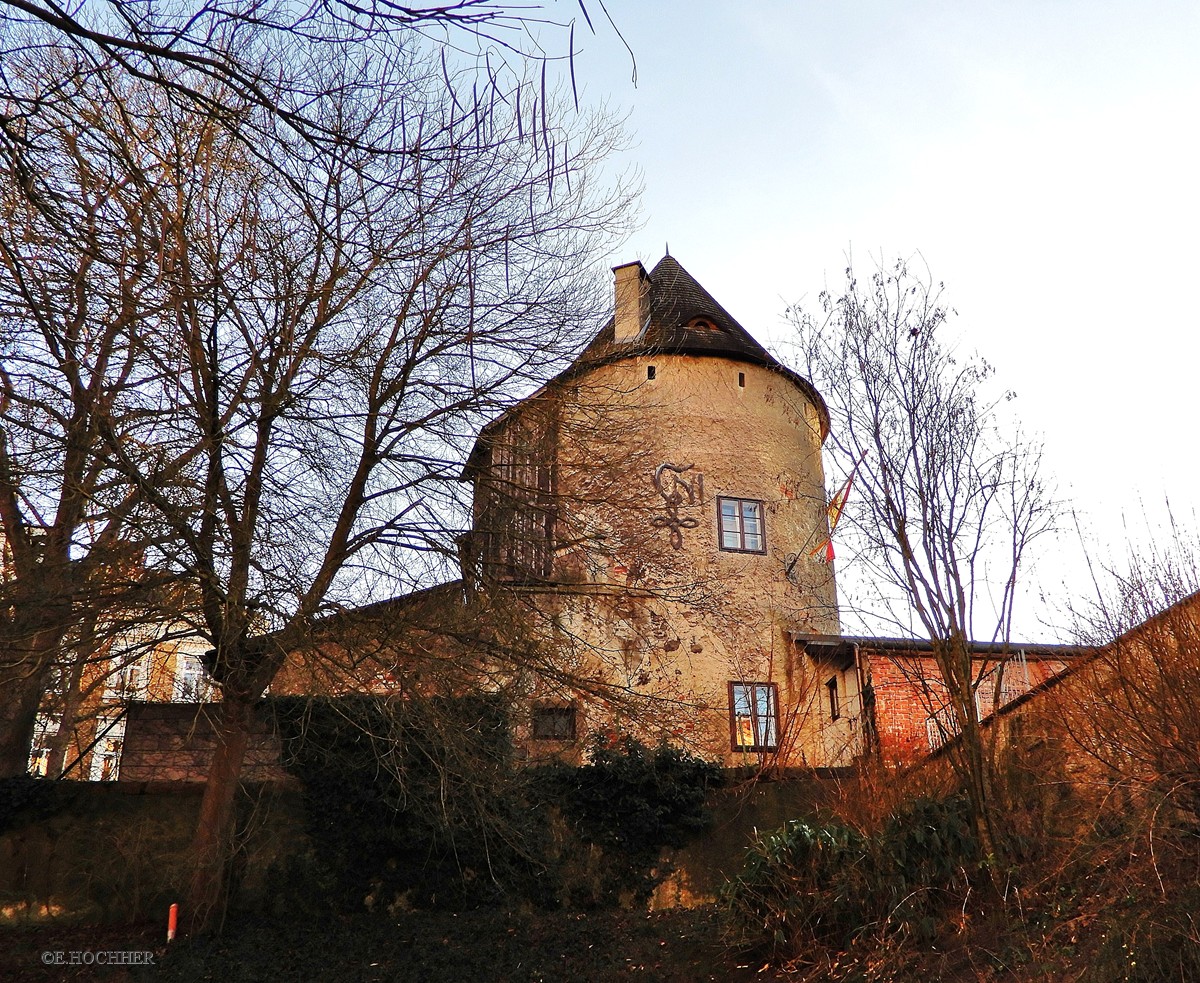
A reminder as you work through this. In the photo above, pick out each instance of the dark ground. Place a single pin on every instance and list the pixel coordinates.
(679, 946)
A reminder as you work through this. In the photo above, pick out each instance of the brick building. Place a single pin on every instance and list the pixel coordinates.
(907, 711)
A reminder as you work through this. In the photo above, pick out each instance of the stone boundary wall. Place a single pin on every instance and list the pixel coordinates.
(174, 742)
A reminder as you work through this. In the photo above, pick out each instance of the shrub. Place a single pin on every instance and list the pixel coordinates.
(422, 804)
(25, 800)
(411, 801)
(627, 804)
(826, 883)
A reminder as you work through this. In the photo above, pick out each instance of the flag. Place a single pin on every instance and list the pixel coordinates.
(823, 551)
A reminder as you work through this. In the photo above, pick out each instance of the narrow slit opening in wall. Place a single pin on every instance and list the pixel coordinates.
(650, 370)
(742, 379)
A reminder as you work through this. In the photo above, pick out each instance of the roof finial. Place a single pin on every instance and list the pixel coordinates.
(668, 249)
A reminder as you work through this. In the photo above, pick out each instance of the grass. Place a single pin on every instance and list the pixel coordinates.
(678, 946)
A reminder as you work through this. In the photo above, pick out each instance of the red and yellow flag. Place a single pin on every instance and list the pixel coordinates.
(823, 551)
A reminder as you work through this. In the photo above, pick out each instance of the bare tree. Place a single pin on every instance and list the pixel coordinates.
(198, 57)
(947, 497)
(337, 327)
(79, 289)
(1131, 709)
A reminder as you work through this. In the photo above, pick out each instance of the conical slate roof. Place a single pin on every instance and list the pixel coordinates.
(685, 319)
(676, 303)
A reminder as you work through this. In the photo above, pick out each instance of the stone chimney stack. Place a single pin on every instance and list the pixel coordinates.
(632, 286)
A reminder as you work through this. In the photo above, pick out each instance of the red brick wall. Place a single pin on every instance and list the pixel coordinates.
(908, 686)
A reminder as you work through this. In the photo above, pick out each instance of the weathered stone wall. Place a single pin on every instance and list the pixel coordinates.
(643, 582)
(701, 869)
(174, 742)
(116, 851)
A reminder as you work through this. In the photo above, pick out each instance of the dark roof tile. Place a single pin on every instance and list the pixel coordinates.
(676, 301)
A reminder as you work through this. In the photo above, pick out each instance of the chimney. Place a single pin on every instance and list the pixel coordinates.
(632, 286)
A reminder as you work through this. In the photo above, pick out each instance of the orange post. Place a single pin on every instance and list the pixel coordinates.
(172, 922)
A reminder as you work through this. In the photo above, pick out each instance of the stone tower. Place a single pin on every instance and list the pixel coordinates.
(661, 504)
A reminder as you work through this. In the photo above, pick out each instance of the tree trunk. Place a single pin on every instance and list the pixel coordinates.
(18, 713)
(981, 794)
(970, 757)
(212, 843)
(32, 640)
(72, 701)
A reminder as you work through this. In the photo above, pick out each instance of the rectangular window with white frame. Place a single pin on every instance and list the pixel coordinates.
(106, 755)
(754, 716)
(740, 525)
(192, 684)
(130, 680)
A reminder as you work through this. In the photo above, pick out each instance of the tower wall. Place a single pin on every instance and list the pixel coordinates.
(647, 447)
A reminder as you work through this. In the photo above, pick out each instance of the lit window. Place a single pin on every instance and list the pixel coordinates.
(740, 522)
(191, 681)
(44, 732)
(754, 716)
(554, 723)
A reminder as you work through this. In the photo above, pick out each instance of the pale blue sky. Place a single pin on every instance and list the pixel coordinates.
(1043, 157)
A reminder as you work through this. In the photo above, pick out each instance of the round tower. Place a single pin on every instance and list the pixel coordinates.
(685, 505)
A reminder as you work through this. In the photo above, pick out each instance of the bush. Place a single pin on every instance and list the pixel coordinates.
(827, 883)
(25, 800)
(412, 803)
(422, 804)
(627, 804)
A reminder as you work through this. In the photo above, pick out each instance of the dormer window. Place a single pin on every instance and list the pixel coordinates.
(702, 324)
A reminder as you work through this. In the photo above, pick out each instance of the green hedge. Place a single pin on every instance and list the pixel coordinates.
(421, 803)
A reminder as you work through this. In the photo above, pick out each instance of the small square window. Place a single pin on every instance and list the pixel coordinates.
(831, 688)
(554, 723)
(754, 716)
(740, 525)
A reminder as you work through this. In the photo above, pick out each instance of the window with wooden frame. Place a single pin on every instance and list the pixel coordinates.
(831, 688)
(553, 724)
(517, 512)
(754, 716)
(740, 525)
